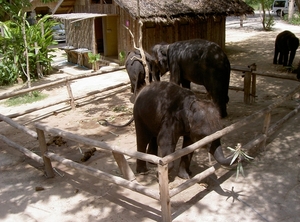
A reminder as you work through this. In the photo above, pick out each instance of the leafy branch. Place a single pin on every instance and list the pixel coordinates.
(239, 155)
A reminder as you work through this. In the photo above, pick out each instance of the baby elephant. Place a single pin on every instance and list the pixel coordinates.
(136, 70)
(286, 44)
(164, 111)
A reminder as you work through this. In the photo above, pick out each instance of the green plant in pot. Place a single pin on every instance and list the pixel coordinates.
(93, 59)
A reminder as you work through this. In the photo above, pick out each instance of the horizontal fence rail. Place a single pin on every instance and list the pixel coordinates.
(164, 194)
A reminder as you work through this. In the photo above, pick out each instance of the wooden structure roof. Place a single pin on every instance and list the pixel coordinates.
(172, 10)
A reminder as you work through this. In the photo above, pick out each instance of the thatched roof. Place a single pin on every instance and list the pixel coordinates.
(171, 10)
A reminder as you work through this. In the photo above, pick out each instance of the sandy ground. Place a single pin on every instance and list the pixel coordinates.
(269, 192)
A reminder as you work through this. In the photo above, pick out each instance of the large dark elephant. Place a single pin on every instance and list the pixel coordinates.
(163, 112)
(286, 44)
(136, 70)
(198, 61)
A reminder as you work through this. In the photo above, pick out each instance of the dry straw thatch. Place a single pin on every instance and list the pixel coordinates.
(172, 10)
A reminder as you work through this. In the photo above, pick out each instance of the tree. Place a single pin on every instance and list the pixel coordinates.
(24, 47)
(265, 5)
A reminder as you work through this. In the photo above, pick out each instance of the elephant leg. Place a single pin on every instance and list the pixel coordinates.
(292, 56)
(152, 147)
(184, 166)
(143, 138)
(280, 60)
(185, 83)
(275, 56)
(285, 58)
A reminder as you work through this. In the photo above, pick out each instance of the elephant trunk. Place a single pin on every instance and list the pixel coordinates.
(219, 157)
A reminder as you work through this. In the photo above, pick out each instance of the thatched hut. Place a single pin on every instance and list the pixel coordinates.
(100, 26)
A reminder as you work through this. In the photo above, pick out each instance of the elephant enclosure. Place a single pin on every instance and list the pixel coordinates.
(72, 196)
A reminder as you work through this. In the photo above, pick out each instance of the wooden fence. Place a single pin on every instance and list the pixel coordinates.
(127, 180)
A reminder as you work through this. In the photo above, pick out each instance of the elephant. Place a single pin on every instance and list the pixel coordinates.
(298, 71)
(286, 44)
(198, 61)
(136, 70)
(163, 112)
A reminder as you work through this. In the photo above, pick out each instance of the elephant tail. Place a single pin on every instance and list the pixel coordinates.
(104, 122)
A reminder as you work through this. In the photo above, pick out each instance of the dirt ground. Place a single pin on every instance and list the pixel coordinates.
(269, 192)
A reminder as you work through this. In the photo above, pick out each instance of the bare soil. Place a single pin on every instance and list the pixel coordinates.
(270, 191)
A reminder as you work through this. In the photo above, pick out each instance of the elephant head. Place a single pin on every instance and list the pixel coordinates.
(160, 54)
(204, 119)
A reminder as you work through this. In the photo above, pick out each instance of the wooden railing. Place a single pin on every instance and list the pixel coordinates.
(127, 179)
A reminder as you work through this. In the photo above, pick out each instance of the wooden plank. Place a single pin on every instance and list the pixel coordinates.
(165, 201)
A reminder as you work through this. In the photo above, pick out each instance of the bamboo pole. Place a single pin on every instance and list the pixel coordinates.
(65, 108)
(91, 142)
(72, 100)
(247, 87)
(196, 179)
(124, 166)
(58, 82)
(22, 149)
(18, 126)
(266, 125)
(14, 115)
(134, 186)
(43, 147)
(274, 75)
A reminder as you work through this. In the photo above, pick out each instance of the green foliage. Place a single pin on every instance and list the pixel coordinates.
(239, 155)
(122, 56)
(93, 58)
(12, 48)
(269, 23)
(26, 98)
(264, 6)
(295, 19)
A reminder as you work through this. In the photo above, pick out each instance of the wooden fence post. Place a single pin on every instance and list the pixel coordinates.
(253, 88)
(164, 192)
(124, 166)
(266, 129)
(72, 101)
(247, 87)
(43, 147)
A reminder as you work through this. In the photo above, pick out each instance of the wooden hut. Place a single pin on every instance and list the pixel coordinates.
(100, 26)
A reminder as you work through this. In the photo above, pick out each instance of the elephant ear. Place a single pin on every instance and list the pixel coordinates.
(164, 49)
(183, 120)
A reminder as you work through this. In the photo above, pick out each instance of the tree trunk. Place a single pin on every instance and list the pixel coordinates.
(291, 9)
(26, 51)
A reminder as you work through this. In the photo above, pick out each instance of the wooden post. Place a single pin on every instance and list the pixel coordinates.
(247, 87)
(124, 166)
(253, 88)
(266, 129)
(43, 147)
(164, 192)
(70, 95)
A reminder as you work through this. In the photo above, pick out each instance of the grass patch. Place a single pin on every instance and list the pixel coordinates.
(25, 98)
